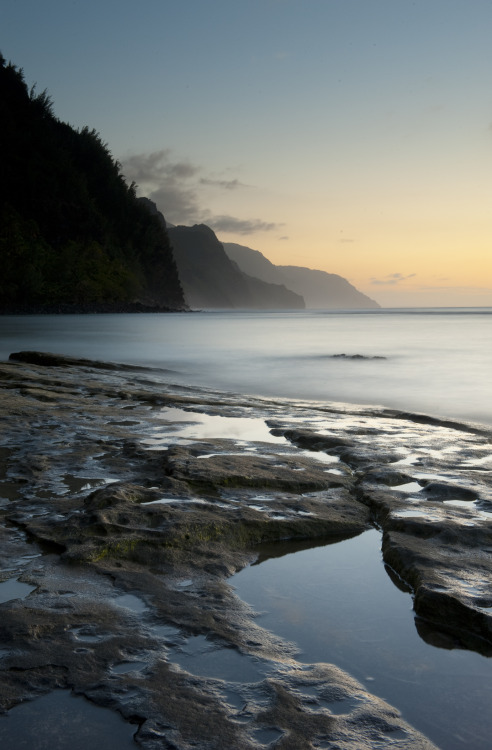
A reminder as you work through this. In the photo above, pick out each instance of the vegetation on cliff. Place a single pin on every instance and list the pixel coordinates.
(72, 232)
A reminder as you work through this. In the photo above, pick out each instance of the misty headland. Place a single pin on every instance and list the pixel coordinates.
(74, 237)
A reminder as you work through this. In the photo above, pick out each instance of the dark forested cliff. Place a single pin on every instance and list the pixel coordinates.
(72, 233)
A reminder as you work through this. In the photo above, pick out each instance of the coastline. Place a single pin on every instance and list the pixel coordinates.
(290, 355)
(96, 308)
(121, 504)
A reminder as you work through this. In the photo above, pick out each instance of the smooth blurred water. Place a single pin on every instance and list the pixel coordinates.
(436, 361)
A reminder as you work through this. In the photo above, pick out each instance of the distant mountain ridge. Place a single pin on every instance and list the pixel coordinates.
(210, 279)
(320, 290)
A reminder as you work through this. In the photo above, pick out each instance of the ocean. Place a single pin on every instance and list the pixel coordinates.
(435, 361)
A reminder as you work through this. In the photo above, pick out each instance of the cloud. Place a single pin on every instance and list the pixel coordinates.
(233, 225)
(149, 170)
(170, 184)
(225, 184)
(392, 279)
(178, 204)
(177, 188)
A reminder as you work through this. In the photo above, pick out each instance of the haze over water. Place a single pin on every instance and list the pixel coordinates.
(435, 361)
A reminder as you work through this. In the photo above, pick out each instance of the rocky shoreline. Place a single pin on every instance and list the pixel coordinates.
(87, 308)
(124, 518)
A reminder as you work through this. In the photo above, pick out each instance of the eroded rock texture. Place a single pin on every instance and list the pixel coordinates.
(128, 503)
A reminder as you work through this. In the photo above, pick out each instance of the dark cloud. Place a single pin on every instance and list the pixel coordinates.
(170, 184)
(179, 205)
(154, 168)
(176, 188)
(225, 184)
(392, 279)
(233, 225)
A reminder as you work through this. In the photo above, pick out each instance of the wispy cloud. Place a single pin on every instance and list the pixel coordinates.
(224, 184)
(392, 279)
(233, 225)
(178, 186)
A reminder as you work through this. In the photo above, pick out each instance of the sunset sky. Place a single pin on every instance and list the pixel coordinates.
(354, 136)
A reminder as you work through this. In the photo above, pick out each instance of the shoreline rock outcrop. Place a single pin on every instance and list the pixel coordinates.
(125, 532)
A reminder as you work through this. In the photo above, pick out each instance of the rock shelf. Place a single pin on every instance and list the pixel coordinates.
(122, 530)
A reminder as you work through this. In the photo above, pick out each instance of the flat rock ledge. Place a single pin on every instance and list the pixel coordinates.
(118, 533)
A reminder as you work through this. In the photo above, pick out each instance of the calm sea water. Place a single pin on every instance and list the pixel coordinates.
(435, 361)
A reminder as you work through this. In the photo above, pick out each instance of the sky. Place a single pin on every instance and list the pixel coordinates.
(352, 136)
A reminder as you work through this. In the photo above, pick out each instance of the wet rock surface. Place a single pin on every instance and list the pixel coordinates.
(126, 504)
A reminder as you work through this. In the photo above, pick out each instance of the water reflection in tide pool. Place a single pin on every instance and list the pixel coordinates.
(60, 720)
(339, 605)
(192, 425)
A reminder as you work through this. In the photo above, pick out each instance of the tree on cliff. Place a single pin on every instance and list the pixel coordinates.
(72, 232)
